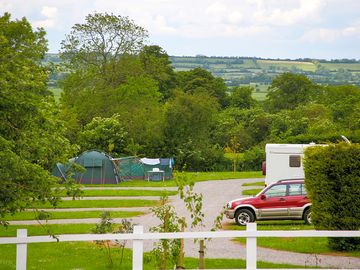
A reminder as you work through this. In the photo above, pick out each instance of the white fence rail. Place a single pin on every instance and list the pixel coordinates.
(138, 236)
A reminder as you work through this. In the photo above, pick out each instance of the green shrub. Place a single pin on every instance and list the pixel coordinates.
(252, 159)
(332, 179)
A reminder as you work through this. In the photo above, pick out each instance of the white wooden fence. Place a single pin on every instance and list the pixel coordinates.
(138, 236)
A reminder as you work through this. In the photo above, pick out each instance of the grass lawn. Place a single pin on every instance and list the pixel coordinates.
(123, 193)
(205, 176)
(53, 228)
(257, 184)
(195, 176)
(32, 215)
(309, 245)
(252, 192)
(101, 204)
(85, 255)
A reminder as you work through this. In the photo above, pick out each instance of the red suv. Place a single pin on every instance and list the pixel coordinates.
(285, 199)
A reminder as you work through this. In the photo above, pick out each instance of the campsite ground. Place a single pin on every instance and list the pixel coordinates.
(215, 194)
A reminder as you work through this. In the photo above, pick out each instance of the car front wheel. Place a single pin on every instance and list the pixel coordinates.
(244, 216)
(307, 216)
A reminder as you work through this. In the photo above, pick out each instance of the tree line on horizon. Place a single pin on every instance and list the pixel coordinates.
(125, 98)
(253, 70)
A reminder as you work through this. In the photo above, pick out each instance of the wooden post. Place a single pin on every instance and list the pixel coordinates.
(235, 164)
(201, 255)
(181, 255)
(21, 251)
(251, 252)
(138, 246)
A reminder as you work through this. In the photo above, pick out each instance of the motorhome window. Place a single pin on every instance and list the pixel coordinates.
(295, 161)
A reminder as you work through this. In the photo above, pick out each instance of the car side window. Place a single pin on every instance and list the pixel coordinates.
(276, 191)
(295, 189)
(304, 192)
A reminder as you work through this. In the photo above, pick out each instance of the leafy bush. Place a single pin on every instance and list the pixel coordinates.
(332, 178)
(252, 159)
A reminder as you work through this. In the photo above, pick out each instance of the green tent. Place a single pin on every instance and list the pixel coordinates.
(155, 169)
(99, 168)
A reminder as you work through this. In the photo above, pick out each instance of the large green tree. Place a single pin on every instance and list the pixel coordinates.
(288, 90)
(112, 73)
(102, 39)
(106, 134)
(31, 138)
(157, 65)
(201, 80)
(241, 97)
(188, 122)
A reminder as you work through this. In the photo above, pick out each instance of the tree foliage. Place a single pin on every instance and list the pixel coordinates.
(157, 65)
(188, 119)
(288, 90)
(200, 80)
(103, 38)
(31, 136)
(241, 97)
(191, 115)
(106, 134)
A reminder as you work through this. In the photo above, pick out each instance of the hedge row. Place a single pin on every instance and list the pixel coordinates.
(332, 176)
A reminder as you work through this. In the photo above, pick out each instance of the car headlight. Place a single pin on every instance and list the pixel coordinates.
(228, 205)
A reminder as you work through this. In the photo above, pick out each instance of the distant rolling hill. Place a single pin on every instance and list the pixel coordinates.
(258, 72)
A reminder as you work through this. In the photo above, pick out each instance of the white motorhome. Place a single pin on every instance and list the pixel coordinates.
(284, 161)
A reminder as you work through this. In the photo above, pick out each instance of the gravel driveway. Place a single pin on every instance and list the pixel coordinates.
(215, 195)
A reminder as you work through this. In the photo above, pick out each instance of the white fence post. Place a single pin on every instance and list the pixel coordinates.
(21, 251)
(138, 246)
(251, 249)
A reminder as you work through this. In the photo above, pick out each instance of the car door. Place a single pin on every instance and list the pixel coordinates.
(296, 199)
(274, 204)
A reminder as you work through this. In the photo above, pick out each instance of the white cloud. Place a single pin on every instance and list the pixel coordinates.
(321, 35)
(332, 35)
(46, 24)
(49, 12)
(352, 30)
(254, 24)
(235, 17)
(160, 24)
(278, 13)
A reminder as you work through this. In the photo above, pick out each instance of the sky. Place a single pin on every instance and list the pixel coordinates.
(322, 29)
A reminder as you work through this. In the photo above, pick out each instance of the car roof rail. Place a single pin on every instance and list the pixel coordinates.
(292, 179)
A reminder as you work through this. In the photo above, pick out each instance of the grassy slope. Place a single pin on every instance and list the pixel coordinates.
(101, 204)
(258, 184)
(87, 256)
(309, 245)
(251, 192)
(124, 193)
(30, 215)
(195, 176)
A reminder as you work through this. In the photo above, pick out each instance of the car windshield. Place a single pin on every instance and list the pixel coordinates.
(260, 192)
